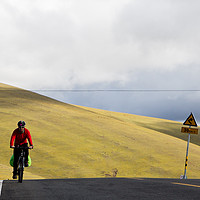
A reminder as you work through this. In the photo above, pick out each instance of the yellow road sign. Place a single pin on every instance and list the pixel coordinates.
(190, 121)
(189, 130)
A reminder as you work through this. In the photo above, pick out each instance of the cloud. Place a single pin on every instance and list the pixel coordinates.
(173, 105)
(64, 44)
(165, 33)
(70, 40)
(103, 44)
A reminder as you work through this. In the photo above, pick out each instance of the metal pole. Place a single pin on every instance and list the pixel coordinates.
(186, 160)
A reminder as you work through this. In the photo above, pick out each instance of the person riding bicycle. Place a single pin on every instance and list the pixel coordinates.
(19, 139)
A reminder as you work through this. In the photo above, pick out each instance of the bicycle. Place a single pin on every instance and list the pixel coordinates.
(21, 163)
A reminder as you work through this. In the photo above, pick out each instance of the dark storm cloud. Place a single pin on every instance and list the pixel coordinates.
(171, 94)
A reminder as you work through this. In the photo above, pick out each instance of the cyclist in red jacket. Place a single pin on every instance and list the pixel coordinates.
(19, 138)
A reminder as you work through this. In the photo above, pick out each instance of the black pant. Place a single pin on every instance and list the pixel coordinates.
(17, 154)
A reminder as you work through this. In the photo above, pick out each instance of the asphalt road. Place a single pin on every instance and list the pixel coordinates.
(102, 189)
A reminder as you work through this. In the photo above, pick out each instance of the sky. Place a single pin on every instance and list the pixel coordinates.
(58, 48)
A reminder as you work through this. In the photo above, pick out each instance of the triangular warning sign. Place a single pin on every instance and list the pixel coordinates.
(190, 121)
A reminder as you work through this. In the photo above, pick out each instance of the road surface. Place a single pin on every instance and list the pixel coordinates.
(101, 189)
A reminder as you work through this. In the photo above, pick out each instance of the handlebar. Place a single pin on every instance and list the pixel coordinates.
(19, 147)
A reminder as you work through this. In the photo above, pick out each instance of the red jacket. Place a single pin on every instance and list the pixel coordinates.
(21, 138)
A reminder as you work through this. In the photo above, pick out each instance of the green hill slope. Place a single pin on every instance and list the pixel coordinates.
(76, 142)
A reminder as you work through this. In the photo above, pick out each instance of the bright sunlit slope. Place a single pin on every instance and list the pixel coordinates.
(76, 142)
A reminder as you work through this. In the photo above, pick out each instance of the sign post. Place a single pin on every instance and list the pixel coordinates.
(191, 122)
(186, 160)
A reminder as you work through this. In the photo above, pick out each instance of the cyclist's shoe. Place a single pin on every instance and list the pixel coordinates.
(26, 163)
(14, 175)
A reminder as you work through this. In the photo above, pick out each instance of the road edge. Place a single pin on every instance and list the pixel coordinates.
(1, 184)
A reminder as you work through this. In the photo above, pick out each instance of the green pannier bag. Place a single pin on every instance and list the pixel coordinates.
(12, 160)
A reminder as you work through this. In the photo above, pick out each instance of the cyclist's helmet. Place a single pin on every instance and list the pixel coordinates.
(21, 123)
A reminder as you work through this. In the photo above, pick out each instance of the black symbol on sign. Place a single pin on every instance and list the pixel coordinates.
(190, 120)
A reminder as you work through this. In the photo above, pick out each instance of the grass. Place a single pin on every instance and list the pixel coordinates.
(77, 142)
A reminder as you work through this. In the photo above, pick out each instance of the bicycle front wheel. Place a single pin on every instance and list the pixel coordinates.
(20, 171)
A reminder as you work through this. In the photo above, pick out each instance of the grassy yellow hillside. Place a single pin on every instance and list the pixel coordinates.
(76, 142)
